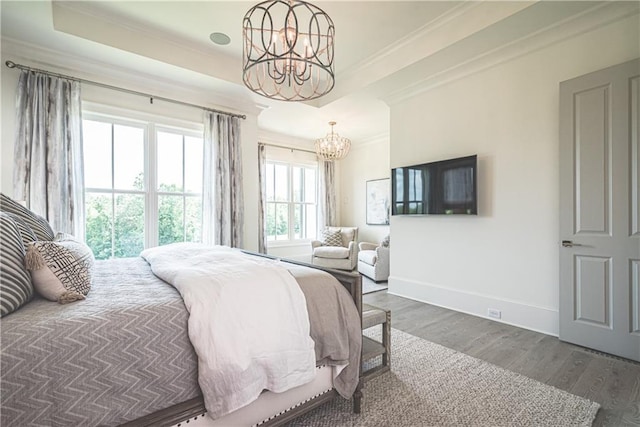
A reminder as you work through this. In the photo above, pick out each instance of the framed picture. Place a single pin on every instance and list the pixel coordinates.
(378, 201)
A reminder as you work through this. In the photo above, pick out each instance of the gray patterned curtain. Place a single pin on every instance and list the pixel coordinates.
(222, 199)
(327, 194)
(48, 171)
(262, 182)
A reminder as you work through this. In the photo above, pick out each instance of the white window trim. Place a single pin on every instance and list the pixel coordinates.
(300, 243)
(95, 109)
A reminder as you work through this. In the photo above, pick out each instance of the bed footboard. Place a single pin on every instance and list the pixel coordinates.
(194, 408)
(172, 415)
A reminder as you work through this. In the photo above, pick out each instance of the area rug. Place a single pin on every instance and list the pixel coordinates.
(431, 385)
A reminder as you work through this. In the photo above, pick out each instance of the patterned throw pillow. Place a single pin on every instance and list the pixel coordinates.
(15, 283)
(60, 270)
(331, 237)
(39, 225)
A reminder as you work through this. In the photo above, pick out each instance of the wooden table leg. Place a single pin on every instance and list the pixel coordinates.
(357, 398)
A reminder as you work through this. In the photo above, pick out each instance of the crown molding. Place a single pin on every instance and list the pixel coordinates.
(90, 69)
(458, 23)
(601, 14)
(410, 40)
(284, 141)
(380, 138)
(290, 141)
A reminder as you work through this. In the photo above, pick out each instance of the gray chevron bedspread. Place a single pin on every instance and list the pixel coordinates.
(124, 352)
(121, 353)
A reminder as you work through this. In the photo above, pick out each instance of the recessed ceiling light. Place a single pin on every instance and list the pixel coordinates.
(220, 38)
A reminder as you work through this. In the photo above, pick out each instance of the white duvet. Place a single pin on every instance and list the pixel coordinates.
(248, 322)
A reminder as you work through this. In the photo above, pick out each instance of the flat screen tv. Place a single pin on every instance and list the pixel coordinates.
(447, 187)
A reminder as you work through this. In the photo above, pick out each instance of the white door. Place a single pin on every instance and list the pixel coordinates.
(600, 210)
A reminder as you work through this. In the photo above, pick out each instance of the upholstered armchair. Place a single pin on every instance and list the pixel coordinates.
(373, 260)
(337, 249)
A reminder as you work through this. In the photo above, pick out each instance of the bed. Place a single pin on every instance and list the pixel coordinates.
(123, 355)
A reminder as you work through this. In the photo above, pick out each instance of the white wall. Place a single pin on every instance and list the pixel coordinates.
(507, 257)
(249, 127)
(366, 161)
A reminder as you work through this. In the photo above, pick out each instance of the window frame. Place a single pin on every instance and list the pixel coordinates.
(291, 164)
(151, 125)
(154, 180)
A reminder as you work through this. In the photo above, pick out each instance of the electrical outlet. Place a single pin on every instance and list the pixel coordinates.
(496, 314)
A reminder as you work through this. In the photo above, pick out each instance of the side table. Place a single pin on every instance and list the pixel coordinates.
(372, 316)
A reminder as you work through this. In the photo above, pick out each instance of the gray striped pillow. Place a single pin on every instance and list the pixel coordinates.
(38, 224)
(15, 282)
(27, 234)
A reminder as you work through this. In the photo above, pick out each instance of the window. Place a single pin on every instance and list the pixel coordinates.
(291, 207)
(143, 185)
(179, 188)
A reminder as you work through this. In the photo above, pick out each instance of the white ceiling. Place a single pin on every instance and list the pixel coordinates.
(382, 48)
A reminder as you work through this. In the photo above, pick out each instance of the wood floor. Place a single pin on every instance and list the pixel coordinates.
(613, 383)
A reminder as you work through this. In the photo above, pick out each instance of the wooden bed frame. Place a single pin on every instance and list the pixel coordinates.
(195, 407)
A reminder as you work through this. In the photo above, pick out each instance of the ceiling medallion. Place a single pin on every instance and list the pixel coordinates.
(332, 146)
(288, 50)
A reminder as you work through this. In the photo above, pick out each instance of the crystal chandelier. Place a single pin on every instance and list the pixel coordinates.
(288, 50)
(332, 146)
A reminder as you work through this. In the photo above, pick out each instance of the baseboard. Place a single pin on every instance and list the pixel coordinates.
(538, 319)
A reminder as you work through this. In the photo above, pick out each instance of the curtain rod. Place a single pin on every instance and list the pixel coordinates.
(287, 148)
(12, 64)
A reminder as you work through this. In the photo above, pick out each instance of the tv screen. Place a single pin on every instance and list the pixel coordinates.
(447, 187)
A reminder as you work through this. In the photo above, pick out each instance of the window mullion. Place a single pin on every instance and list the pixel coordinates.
(303, 212)
(184, 190)
(151, 165)
(291, 209)
(113, 195)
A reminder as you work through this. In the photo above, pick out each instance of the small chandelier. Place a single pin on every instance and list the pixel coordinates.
(332, 146)
(288, 50)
